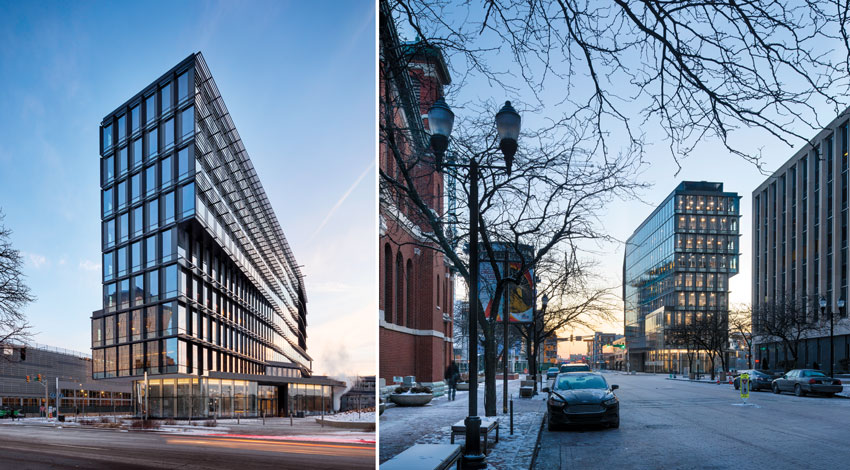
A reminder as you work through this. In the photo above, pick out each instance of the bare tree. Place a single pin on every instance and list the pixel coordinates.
(787, 320)
(684, 336)
(741, 324)
(14, 293)
(693, 69)
(711, 333)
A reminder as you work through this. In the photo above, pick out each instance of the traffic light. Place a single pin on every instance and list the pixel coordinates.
(39, 377)
(23, 354)
(28, 379)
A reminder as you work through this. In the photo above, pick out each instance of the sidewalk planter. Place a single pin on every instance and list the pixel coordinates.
(411, 399)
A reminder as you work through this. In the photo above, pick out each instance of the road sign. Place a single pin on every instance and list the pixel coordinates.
(744, 383)
(52, 395)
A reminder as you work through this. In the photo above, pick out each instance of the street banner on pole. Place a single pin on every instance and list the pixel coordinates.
(509, 263)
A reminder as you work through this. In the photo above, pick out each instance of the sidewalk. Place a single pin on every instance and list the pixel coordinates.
(402, 427)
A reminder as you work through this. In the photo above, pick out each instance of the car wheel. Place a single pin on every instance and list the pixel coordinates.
(799, 391)
(830, 395)
(775, 389)
(616, 424)
(550, 425)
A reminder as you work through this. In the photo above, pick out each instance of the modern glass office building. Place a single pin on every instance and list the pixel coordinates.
(203, 300)
(676, 270)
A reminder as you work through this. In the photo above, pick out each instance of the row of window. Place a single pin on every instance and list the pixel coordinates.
(708, 243)
(116, 130)
(708, 204)
(709, 281)
(701, 299)
(166, 356)
(173, 318)
(706, 222)
(148, 217)
(722, 262)
(141, 289)
(156, 175)
(147, 253)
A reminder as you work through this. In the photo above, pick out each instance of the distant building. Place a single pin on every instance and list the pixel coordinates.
(676, 271)
(619, 357)
(78, 392)
(550, 351)
(598, 342)
(361, 394)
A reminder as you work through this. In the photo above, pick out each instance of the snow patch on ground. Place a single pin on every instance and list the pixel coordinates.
(352, 416)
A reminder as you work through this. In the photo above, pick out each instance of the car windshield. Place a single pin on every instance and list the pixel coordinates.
(575, 368)
(580, 381)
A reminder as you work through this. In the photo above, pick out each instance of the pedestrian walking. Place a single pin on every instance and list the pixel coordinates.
(452, 376)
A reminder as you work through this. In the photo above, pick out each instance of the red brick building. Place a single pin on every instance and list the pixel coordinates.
(416, 288)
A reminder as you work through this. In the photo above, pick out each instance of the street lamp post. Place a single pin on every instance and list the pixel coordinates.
(831, 337)
(822, 308)
(440, 122)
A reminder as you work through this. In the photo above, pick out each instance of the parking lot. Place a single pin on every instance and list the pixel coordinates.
(671, 424)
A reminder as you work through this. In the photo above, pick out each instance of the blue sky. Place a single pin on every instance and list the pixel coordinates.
(299, 81)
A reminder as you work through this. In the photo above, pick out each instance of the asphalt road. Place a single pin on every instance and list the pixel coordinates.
(34, 447)
(667, 424)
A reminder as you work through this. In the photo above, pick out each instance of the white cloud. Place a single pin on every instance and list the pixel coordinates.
(36, 260)
(88, 265)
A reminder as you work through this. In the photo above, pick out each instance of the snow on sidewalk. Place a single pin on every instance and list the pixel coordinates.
(402, 427)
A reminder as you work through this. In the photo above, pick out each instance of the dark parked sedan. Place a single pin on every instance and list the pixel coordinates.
(803, 381)
(582, 398)
(552, 373)
(758, 380)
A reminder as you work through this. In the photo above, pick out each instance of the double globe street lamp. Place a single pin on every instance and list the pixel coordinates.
(440, 121)
(831, 331)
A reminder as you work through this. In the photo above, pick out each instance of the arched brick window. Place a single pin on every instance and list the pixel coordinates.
(399, 286)
(409, 321)
(388, 283)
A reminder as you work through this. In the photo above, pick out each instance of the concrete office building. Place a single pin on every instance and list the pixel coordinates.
(800, 253)
(676, 271)
(203, 301)
(78, 393)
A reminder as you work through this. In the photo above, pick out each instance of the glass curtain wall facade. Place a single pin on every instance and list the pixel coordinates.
(800, 239)
(676, 270)
(198, 278)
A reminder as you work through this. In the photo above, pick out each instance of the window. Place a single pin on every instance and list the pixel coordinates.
(187, 200)
(138, 221)
(108, 169)
(108, 202)
(168, 134)
(183, 86)
(170, 356)
(122, 195)
(109, 329)
(122, 161)
(168, 208)
(107, 136)
(108, 266)
(124, 360)
(150, 180)
(122, 327)
(187, 122)
(97, 332)
(109, 233)
(109, 299)
(165, 98)
(167, 319)
(153, 215)
(138, 358)
(123, 227)
(152, 143)
(136, 257)
(183, 163)
(138, 154)
(135, 188)
(138, 290)
(168, 248)
(150, 108)
(150, 251)
(150, 322)
(122, 261)
(166, 169)
(135, 118)
(153, 286)
(124, 294)
(122, 127)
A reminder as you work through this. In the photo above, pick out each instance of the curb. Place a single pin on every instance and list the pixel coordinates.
(348, 424)
(537, 442)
